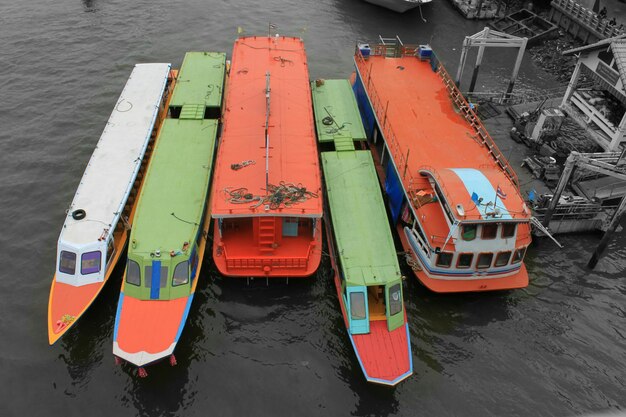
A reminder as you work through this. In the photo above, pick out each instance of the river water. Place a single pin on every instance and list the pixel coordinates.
(556, 348)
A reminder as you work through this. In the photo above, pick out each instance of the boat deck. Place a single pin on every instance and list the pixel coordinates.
(291, 154)
(427, 132)
(337, 114)
(197, 86)
(391, 367)
(172, 201)
(361, 228)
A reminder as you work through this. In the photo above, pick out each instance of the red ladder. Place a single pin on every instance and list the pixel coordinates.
(267, 234)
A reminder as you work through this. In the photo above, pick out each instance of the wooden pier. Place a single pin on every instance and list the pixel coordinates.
(581, 22)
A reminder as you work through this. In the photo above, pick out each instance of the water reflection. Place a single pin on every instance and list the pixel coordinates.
(90, 5)
(88, 344)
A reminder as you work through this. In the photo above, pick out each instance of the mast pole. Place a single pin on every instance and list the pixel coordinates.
(267, 135)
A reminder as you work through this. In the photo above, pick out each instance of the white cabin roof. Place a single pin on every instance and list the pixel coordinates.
(113, 167)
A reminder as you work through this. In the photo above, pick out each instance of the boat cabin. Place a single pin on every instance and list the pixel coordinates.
(598, 104)
(482, 234)
(162, 275)
(83, 264)
(369, 303)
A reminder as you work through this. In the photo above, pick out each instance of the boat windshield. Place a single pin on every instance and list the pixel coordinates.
(357, 305)
(133, 275)
(67, 262)
(90, 262)
(395, 299)
(181, 274)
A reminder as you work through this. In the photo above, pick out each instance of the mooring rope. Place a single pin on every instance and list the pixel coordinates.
(283, 194)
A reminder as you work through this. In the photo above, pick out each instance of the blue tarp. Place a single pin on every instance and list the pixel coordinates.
(155, 283)
(367, 115)
(393, 188)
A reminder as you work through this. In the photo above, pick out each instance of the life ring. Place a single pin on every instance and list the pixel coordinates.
(79, 214)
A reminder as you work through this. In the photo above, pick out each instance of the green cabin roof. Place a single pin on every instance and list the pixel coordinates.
(175, 190)
(336, 111)
(364, 242)
(200, 80)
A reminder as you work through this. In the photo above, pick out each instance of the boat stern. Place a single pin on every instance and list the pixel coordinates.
(384, 356)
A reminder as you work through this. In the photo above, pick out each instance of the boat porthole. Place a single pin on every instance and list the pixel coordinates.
(79, 214)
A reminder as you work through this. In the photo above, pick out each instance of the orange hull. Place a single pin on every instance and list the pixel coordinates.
(147, 331)
(68, 303)
(514, 281)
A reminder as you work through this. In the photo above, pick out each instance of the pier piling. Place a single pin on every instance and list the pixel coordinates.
(608, 234)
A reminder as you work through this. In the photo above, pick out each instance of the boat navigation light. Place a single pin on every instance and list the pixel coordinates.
(460, 210)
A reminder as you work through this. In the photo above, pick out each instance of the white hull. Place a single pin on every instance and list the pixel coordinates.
(399, 6)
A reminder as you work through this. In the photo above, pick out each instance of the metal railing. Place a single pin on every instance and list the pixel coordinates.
(587, 18)
(380, 109)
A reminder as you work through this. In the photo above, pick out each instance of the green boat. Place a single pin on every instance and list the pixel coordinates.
(167, 243)
(366, 271)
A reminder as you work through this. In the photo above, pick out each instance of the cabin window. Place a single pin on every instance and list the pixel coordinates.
(518, 255)
(67, 262)
(444, 259)
(606, 56)
(502, 258)
(469, 231)
(465, 260)
(181, 274)
(357, 305)
(508, 230)
(484, 260)
(90, 262)
(490, 230)
(290, 226)
(133, 275)
(162, 278)
(395, 299)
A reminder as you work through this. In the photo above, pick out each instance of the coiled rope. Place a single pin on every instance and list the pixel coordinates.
(283, 194)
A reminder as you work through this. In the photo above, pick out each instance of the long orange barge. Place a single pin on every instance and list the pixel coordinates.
(266, 194)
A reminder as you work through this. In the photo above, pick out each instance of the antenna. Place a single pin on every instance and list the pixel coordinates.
(267, 134)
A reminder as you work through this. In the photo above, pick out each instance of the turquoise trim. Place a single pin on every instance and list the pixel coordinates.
(117, 316)
(476, 182)
(358, 326)
(184, 319)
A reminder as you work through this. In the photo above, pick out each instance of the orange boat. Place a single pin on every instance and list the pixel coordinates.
(453, 196)
(266, 196)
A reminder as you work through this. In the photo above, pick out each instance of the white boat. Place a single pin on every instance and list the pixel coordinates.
(399, 6)
(96, 226)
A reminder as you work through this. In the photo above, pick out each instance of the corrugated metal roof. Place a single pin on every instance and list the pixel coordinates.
(619, 53)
